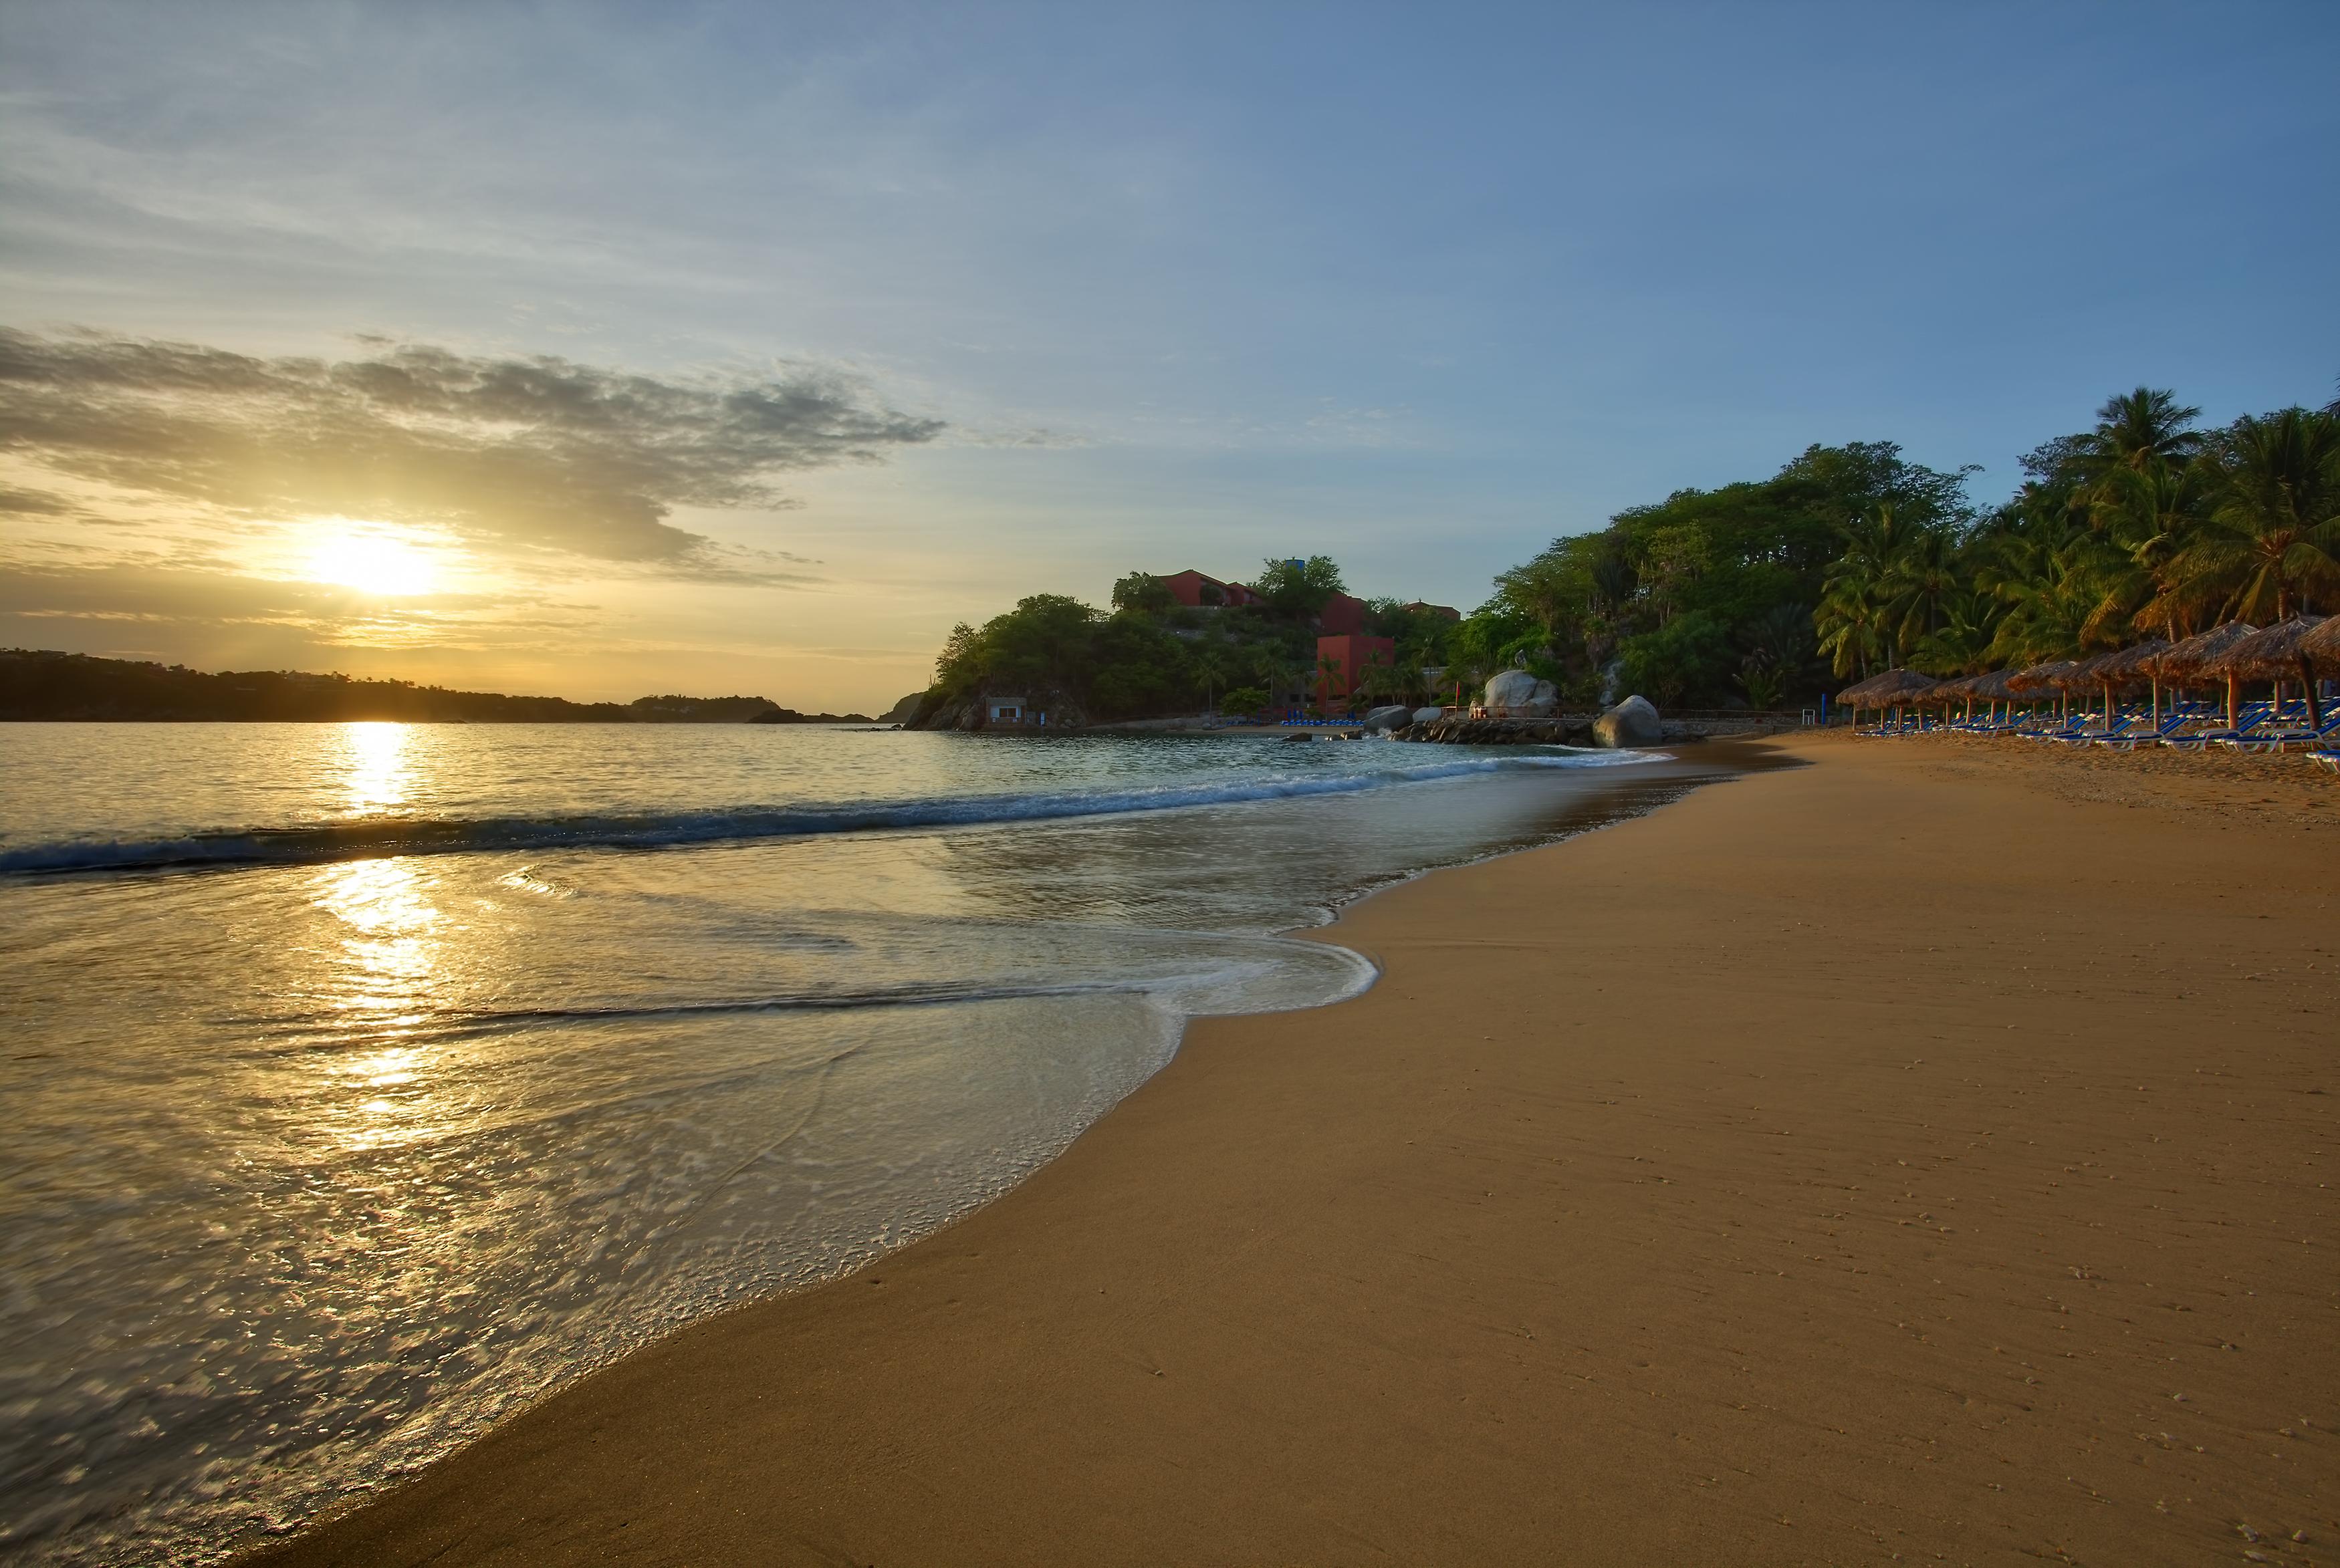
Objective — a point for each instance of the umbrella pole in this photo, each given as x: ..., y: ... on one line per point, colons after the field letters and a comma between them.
x: 2232, y: 682
x: 2315, y: 708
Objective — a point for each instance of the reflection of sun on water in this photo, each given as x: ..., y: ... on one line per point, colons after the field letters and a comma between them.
x: 389, y: 964
x: 378, y: 766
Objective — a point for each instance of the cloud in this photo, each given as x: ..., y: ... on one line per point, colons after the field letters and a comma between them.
x: 33, y: 503
x: 514, y: 455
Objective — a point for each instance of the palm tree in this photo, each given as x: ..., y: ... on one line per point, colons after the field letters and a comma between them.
x: 2048, y: 599
x: 2271, y: 544
x: 1327, y: 670
x: 2151, y: 517
x: 1926, y: 574
x: 1211, y: 665
x: 1960, y: 644
x: 2140, y: 432
x: 1858, y: 614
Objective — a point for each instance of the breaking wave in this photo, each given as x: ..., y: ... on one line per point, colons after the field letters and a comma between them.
x: 375, y: 837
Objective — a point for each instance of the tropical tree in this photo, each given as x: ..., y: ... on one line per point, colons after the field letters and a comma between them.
x: 1209, y: 663
x: 1142, y: 592
x: 2271, y: 544
x: 1863, y: 603
x: 1245, y: 699
x: 2145, y: 432
x: 1299, y: 590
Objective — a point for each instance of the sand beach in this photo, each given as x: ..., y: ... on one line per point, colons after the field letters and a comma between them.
x: 1923, y: 1154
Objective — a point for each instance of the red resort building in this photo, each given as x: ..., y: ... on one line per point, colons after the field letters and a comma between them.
x: 1341, y: 662
x: 1197, y: 592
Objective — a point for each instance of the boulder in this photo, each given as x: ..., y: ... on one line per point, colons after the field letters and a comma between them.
x: 1631, y: 723
x: 1388, y: 719
x: 1517, y: 692
x: 1428, y: 715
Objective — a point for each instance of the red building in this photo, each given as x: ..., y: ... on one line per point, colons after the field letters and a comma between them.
x: 1197, y: 592
x: 1343, y: 617
x: 1341, y: 662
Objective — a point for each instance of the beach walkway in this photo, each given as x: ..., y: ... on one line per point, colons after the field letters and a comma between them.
x: 1915, y: 1156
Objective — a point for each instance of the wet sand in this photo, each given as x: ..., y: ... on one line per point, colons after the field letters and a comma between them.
x: 1919, y: 1156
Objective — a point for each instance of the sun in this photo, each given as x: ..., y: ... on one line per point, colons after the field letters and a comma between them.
x: 377, y: 563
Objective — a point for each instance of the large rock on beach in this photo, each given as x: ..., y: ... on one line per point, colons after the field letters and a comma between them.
x: 1424, y: 715
x: 1517, y: 692
x: 1388, y: 719
x: 1631, y: 723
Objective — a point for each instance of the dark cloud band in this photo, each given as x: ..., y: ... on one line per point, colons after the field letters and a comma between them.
x: 514, y: 455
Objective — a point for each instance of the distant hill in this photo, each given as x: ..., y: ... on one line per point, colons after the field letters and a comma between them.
x: 40, y: 684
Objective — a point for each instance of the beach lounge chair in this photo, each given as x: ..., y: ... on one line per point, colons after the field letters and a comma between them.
x: 2328, y: 759
x: 2247, y: 721
x: 2278, y: 734
x: 2144, y: 733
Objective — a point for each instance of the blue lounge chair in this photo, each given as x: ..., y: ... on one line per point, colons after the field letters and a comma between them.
x: 2281, y: 735
x: 2146, y: 732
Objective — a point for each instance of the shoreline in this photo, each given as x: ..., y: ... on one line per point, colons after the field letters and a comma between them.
x: 1499, y: 1260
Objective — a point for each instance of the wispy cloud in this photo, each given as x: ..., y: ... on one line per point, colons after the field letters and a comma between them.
x: 513, y: 455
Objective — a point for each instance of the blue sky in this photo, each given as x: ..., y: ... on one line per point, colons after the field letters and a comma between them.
x: 1417, y: 287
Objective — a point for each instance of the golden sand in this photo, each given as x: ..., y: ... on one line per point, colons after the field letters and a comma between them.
x: 1919, y: 1156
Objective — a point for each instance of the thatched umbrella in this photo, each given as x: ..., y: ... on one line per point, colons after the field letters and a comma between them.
x: 2273, y: 654
x: 2188, y: 663
x: 2319, y: 645
x: 2142, y: 661
x: 2082, y: 677
x: 1946, y: 691
x: 2048, y: 677
x: 1891, y: 689
x: 1993, y: 688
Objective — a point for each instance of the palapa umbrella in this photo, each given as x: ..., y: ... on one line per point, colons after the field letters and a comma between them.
x: 1891, y: 689
x: 1965, y: 689
x: 2320, y: 646
x: 2081, y: 678
x: 2130, y: 664
x: 2188, y: 662
x: 2273, y: 654
x: 2038, y: 678
x: 1992, y: 688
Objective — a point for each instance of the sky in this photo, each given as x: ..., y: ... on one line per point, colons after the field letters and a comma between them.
x: 601, y: 350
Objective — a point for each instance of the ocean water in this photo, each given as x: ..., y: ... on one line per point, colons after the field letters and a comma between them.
x: 363, y: 1082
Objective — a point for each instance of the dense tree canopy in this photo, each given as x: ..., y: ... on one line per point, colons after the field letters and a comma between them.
x: 1849, y: 560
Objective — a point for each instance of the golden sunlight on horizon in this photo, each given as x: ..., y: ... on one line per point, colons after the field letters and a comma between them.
x: 373, y: 561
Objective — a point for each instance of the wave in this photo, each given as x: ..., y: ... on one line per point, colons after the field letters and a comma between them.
x: 374, y: 838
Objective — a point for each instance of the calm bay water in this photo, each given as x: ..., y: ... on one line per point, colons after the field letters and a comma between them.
x: 366, y: 1082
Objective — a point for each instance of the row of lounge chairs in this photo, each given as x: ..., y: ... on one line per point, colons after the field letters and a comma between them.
x: 2194, y: 726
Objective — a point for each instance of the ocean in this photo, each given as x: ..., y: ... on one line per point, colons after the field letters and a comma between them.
x: 364, y: 1082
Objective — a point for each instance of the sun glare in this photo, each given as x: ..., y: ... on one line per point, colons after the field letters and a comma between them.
x: 376, y: 563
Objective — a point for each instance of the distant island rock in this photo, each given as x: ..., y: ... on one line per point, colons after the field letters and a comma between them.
x: 790, y: 717
x: 40, y: 684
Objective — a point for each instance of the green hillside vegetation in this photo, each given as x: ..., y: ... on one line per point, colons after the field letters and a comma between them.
x: 1766, y: 592
x: 40, y: 684
x: 1148, y: 655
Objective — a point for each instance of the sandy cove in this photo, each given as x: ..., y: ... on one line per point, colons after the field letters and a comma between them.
x: 1920, y: 1156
